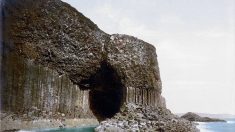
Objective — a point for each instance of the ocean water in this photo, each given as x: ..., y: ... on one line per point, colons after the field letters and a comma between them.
x: 228, y: 126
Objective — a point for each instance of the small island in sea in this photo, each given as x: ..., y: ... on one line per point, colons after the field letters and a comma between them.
x: 194, y: 117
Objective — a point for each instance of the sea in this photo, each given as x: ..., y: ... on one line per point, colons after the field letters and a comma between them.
x: 228, y: 126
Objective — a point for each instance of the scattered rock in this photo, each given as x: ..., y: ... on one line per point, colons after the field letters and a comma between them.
x: 132, y: 118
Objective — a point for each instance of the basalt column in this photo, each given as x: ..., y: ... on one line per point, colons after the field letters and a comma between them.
x: 136, y: 63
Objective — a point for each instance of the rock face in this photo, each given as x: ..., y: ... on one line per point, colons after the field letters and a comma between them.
x: 194, y: 117
x: 51, y: 52
x: 56, y: 62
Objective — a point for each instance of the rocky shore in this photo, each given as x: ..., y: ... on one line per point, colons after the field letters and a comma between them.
x: 145, y: 118
x: 12, y: 122
x: 130, y: 118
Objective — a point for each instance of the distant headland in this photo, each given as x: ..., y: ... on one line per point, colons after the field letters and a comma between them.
x: 195, y: 117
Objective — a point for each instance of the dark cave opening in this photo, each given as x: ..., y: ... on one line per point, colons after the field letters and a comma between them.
x: 106, y: 92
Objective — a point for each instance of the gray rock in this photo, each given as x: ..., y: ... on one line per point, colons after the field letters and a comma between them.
x: 164, y: 121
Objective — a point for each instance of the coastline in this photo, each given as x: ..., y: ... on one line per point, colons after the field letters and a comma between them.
x: 201, y: 127
x: 228, y: 126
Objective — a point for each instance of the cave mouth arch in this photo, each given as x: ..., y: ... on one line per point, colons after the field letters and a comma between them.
x: 106, y: 94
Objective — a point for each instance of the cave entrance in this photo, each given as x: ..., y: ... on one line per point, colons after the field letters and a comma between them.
x: 106, y: 93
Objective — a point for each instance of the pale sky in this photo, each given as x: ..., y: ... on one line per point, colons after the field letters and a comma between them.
x: 194, y: 40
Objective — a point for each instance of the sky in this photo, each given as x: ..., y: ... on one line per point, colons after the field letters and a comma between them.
x: 194, y: 41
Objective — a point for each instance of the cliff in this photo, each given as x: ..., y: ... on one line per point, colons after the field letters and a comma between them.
x: 52, y: 53
x: 56, y: 62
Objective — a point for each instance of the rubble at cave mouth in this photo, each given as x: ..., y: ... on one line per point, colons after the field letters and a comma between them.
x: 106, y: 94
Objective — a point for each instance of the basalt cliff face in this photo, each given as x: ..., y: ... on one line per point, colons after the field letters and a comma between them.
x: 55, y: 60
x: 52, y: 56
